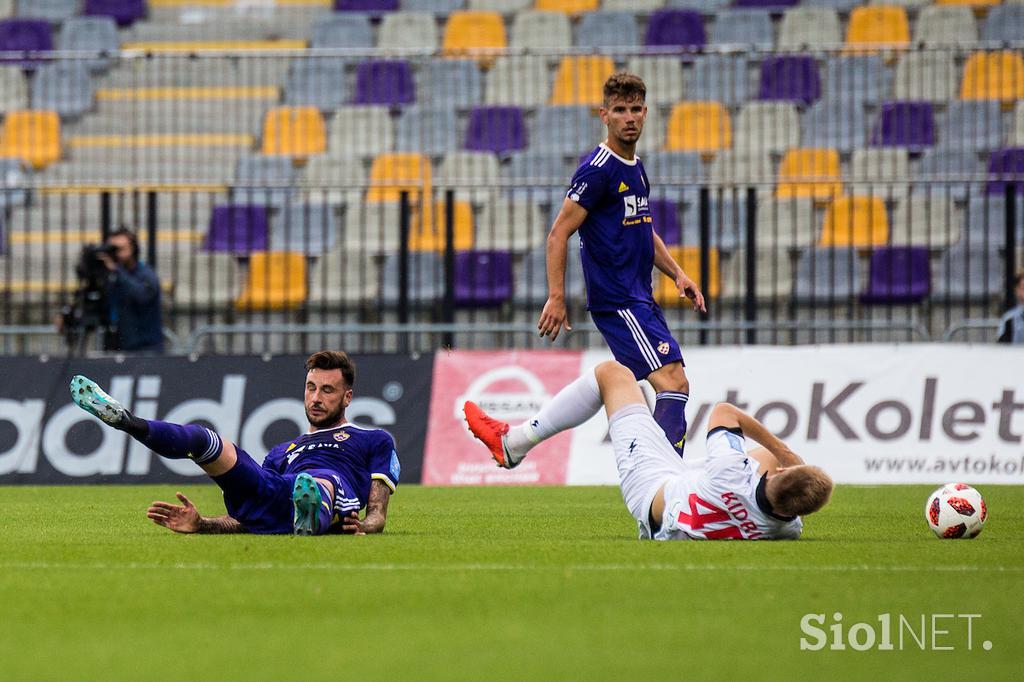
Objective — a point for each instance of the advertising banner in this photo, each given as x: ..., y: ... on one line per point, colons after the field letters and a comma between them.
x: 45, y: 438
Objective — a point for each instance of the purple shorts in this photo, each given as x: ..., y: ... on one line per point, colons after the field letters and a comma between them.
x: 638, y: 338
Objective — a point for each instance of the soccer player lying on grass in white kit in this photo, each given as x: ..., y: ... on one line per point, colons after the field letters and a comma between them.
x: 734, y: 494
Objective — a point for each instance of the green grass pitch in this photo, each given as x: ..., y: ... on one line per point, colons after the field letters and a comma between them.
x: 499, y: 583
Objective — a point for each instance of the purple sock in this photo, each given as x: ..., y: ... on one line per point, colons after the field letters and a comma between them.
x: 326, y: 512
x: 177, y: 441
x: 670, y: 413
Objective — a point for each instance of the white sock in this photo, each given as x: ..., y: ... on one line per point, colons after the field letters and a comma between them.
x: 573, y: 405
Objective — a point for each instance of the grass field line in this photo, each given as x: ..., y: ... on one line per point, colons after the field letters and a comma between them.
x: 499, y: 567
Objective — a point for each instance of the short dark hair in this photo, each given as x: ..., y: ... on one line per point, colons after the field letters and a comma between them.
x: 334, y: 359
x: 133, y: 239
x: 626, y: 85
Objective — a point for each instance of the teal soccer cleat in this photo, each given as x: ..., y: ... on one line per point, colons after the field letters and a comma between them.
x: 306, y: 499
x: 94, y: 400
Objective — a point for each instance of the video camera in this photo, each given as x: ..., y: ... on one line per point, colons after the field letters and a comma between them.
x: 88, y: 309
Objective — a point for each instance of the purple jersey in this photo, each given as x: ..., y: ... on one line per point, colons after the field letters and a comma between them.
x: 617, y: 236
x: 358, y: 454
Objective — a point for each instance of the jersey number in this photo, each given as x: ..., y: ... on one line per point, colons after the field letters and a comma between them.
x: 696, y: 520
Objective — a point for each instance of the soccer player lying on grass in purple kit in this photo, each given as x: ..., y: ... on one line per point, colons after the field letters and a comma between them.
x: 313, y: 484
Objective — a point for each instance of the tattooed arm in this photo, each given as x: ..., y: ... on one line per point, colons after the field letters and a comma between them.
x: 376, y: 512
x: 185, y: 518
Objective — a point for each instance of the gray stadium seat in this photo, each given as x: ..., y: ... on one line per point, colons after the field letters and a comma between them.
x: 426, y: 278
x: 360, y: 131
x: 342, y: 29
x: 530, y: 280
x: 962, y: 274
x: 451, y: 81
x: 742, y: 27
x: 674, y: 174
x: 721, y: 78
x: 1017, y: 137
x: 842, y: 6
x: 663, y: 77
x: 473, y: 175
x: 603, y: 30
x: 343, y: 277
x: 879, y: 171
x: 947, y: 171
x: 305, y: 228
x: 809, y: 27
x: 320, y: 83
x: 408, y: 30
x: 768, y: 126
x: 331, y: 180
x: 1003, y: 24
x: 531, y: 30
x: 521, y: 81
x: 945, y: 26
x: 742, y: 167
x: 986, y: 222
x: 926, y: 220
x: 773, y: 272
x: 507, y: 6
x: 432, y: 131
x: 12, y: 184
x: 510, y: 224
x: 971, y: 125
x: 371, y: 228
x: 439, y: 7
x: 826, y: 275
x: 633, y: 5
x: 64, y: 87
x: 90, y: 34
x: 861, y: 78
x: 909, y: 4
x: 263, y: 180
x: 928, y: 75
x: 538, y: 175
x: 571, y: 130
x: 709, y: 7
x: 54, y: 11
x: 13, y: 89
x: 840, y: 124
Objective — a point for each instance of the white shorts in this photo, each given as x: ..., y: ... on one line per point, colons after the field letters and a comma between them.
x: 644, y: 457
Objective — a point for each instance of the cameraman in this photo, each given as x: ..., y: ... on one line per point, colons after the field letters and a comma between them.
x: 132, y: 295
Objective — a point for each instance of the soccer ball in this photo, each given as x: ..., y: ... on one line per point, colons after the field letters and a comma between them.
x: 956, y: 510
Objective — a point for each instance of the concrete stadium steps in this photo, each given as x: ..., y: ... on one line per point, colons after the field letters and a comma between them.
x: 167, y: 116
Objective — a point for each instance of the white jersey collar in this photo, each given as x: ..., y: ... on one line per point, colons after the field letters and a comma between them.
x: 628, y: 162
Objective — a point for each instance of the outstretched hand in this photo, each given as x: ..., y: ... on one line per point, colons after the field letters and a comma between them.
x: 183, y: 518
x: 553, y: 318
x: 352, y: 525
x: 688, y: 288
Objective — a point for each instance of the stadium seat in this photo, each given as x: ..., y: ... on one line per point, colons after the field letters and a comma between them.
x: 431, y: 234
x: 841, y: 6
x: 607, y: 29
x: 319, y: 83
x: 13, y: 185
x: 898, y: 274
x: 909, y: 5
x: 970, y: 3
x: 945, y: 26
x: 405, y: 30
x: 675, y: 28
x: 877, y: 26
x: 387, y: 82
x: 856, y: 78
x: 632, y: 5
x: 773, y: 274
x: 331, y: 180
x: 473, y: 175
x: 719, y: 77
x: 13, y: 89
x: 372, y: 228
x: 538, y: 172
x: 452, y: 82
x: 931, y: 220
x: 341, y: 277
x: 727, y: 220
x: 203, y: 279
x: 566, y: 129
x: 804, y: 27
x: 64, y: 87
x: 536, y: 30
x: 370, y: 6
x: 708, y: 7
x: 294, y: 131
x: 810, y: 172
x: 54, y: 11
x: 786, y: 223
x: 947, y: 171
x: 510, y: 224
x: 881, y: 172
x: 24, y: 35
x: 437, y: 7
x: 768, y: 126
x: 32, y: 136
x: 1003, y: 23
x: 674, y: 173
x: 311, y: 229
x: 688, y: 257
x: 520, y: 81
x: 749, y: 27
x: 124, y: 12
x: 663, y: 77
x: 567, y: 6
x: 432, y: 131
x: 237, y: 228
x: 994, y: 75
x: 263, y: 180
x: 482, y: 278
x: 90, y: 34
x: 742, y: 167
x: 495, y: 129
x: 275, y: 280
x: 855, y: 221
x: 425, y: 279
x: 904, y: 124
x: 392, y: 174
x: 580, y: 80
x: 928, y: 75
x: 468, y: 32
x: 665, y: 214
x: 975, y: 125
x: 1006, y: 167
x: 967, y: 274
x: 790, y: 78
x: 1017, y: 137
x: 360, y: 131
x: 778, y: 5
x: 342, y: 30
x: 834, y: 123
x: 985, y: 227
x: 530, y: 278
x: 699, y: 127
x: 499, y: 5
x: 826, y: 275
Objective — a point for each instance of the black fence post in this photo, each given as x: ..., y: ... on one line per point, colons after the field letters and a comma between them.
x: 704, y: 206
x: 448, y: 313
x: 403, y: 266
x: 750, y: 296
x: 151, y: 214
x: 1010, y: 299
x: 105, y: 215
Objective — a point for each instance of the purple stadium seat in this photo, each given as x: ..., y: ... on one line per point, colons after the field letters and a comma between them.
x: 675, y: 28
x: 365, y: 5
x: 766, y: 4
x: 482, y: 278
x: 496, y: 129
x: 793, y: 78
x: 666, y: 220
x: 124, y: 12
x: 1006, y: 166
x: 384, y: 82
x: 898, y: 274
x: 904, y: 124
x: 25, y: 35
x: 237, y: 228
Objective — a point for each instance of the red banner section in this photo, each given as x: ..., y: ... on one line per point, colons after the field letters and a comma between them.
x: 510, y: 386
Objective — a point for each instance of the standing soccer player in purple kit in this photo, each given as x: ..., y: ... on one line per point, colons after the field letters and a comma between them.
x: 608, y: 204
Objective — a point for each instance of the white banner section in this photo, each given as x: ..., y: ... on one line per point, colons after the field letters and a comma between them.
x: 925, y: 413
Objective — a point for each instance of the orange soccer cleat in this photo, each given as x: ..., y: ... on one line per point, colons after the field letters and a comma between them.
x: 491, y: 433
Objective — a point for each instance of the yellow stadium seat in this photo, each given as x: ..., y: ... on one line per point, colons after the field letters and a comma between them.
x: 294, y: 131
x: 994, y: 75
x: 276, y: 280
x: 468, y: 31
x: 392, y: 174
x: 580, y: 80
x: 688, y: 257
x: 810, y: 173
x: 32, y: 136
x: 878, y: 26
x: 567, y: 6
x: 970, y: 3
x: 857, y: 221
x: 699, y: 127
x: 429, y: 235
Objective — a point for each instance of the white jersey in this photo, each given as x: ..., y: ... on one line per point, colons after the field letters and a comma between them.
x: 722, y: 499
